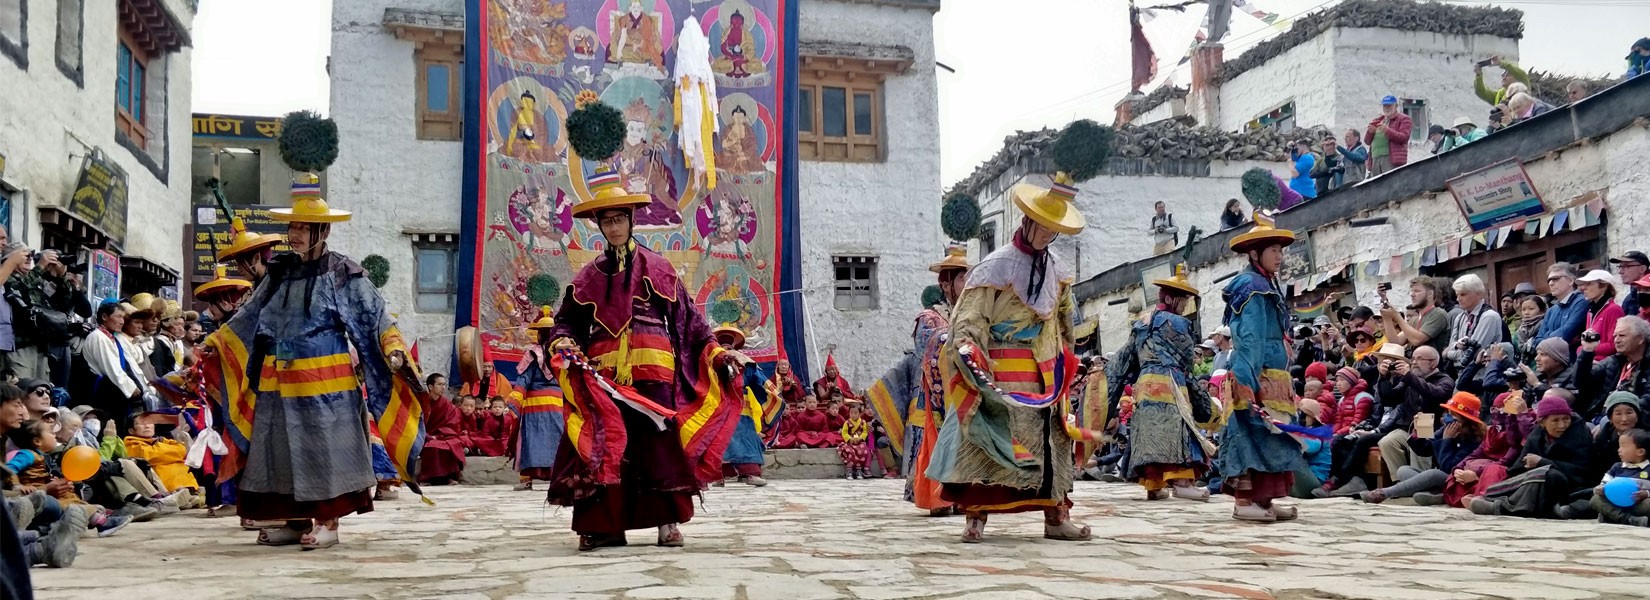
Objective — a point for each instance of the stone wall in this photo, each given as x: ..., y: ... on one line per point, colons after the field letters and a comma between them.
x: 888, y: 209
x: 394, y: 181
x: 48, y: 122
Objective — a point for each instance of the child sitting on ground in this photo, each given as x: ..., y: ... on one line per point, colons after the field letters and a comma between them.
x: 29, y: 468
x: 1634, y: 465
x: 855, y: 455
x: 489, y: 432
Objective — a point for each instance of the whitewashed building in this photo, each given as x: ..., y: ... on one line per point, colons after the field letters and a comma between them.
x: 869, y: 195
x: 106, y: 83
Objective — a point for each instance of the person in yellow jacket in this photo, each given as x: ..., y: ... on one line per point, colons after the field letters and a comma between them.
x: 165, y: 456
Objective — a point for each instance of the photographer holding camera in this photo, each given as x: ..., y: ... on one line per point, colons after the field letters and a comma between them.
x: 1553, y: 370
x: 41, y: 298
x: 1477, y: 327
x: 1625, y: 371
x: 1431, y: 324
x: 1330, y: 171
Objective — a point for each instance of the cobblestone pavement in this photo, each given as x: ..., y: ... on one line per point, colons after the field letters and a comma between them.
x: 813, y: 540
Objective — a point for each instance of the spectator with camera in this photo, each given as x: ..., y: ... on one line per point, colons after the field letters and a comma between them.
x: 1165, y: 236
x: 1430, y: 326
x: 1567, y: 316
x: 1388, y: 138
x: 1330, y: 171
x: 1394, y: 411
x: 40, y: 296
x: 1554, y: 368
x: 1419, y: 388
x: 1599, y: 288
x: 1631, y: 267
x: 1355, y: 157
x: 1477, y: 327
x: 1300, y: 172
x: 1466, y: 131
x: 1510, y: 74
x: 1624, y: 371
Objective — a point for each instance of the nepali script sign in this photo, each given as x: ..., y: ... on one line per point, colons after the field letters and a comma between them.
x: 1496, y: 195
x: 213, y: 233
x: 236, y: 127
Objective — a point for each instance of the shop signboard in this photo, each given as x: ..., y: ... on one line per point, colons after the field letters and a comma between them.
x: 1496, y: 195
x: 1297, y: 259
x: 100, y: 197
x: 103, y: 278
x: 210, y: 223
x: 236, y: 127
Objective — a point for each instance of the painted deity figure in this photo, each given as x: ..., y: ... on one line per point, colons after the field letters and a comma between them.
x: 737, y: 56
x: 740, y: 151
x: 636, y: 38
x: 643, y: 168
x: 523, y: 139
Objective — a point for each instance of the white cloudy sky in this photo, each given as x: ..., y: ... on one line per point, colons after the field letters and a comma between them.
x: 1041, y: 63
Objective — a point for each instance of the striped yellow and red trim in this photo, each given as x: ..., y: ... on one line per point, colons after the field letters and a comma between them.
x: 882, y: 403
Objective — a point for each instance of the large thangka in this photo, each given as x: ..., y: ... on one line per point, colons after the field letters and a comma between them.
x: 543, y: 59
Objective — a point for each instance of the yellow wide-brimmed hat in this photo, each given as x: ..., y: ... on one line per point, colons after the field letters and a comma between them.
x: 1051, y: 207
x: 220, y: 284
x: 606, y: 193
x: 729, y: 331
x: 141, y: 303
x: 545, y: 321
x: 1264, y: 233
x: 243, y: 241
x: 956, y: 257
x: 307, y: 204
x: 1178, y: 282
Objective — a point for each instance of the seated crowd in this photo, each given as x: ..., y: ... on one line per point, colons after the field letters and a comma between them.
x: 1449, y: 402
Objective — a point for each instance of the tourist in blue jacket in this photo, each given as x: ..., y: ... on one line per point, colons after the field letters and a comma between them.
x: 1568, y: 314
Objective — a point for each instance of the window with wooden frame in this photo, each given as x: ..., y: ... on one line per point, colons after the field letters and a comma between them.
x: 840, y: 111
x: 437, y: 281
x: 440, y: 97
x: 856, y: 282
x: 131, y: 70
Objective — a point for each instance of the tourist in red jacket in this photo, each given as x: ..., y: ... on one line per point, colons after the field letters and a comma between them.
x: 1388, y: 138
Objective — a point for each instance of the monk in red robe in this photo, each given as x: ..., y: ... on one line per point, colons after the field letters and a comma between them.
x: 491, y: 436
x: 809, y: 428
x: 833, y: 380
x: 444, y: 444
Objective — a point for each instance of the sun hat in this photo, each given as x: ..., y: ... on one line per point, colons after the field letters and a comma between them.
x: 1391, y: 350
x: 1051, y: 207
x: 1178, y: 282
x: 607, y: 193
x: 1465, y: 405
x: 307, y: 204
x: 956, y: 257
x: 1264, y: 233
x: 1459, y: 121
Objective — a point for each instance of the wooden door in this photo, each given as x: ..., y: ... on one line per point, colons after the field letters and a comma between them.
x: 1509, y: 273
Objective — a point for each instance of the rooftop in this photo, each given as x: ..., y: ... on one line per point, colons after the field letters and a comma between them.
x: 1603, y: 113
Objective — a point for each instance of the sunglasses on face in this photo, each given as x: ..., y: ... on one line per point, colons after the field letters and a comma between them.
x: 41, y: 391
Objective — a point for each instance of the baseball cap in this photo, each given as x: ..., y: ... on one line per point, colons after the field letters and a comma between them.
x: 1389, y: 100
x: 1632, y: 256
x: 1599, y: 275
x: 30, y: 384
x: 1224, y: 331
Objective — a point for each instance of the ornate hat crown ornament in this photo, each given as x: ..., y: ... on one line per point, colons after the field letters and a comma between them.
x: 730, y: 331
x: 1052, y: 207
x: 242, y: 241
x: 1264, y: 233
x: 1178, y: 282
x: 308, y: 144
x: 956, y: 257
x: 221, y: 283
x: 606, y: 193
x: 545, y: 321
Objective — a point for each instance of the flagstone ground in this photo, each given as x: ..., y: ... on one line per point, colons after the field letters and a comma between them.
x: 822, y: 539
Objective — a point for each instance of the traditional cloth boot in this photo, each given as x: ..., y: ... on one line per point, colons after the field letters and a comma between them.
x: 670, y: 536
x: 1057, y: 525
x: 1254, y: 513
x: 974, y: 529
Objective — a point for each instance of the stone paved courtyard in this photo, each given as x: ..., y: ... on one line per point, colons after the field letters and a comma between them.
x: 820, y: 539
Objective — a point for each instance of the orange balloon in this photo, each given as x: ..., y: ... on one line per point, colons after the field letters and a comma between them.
x: 80, y: 463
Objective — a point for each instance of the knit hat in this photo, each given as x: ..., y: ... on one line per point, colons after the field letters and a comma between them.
x: 1318, y: 371
x: 1617, y: 398
x: 1350, y: 374
x: 1556, y: 349
x: 1311, y: 407
x: 1551, y: 406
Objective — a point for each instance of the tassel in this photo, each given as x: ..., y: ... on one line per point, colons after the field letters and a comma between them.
x: 707, y: 129
x: 624, y: 370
